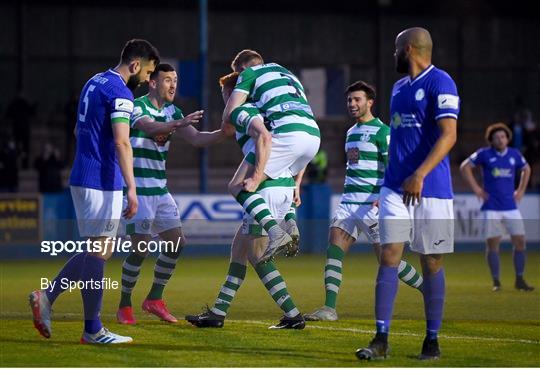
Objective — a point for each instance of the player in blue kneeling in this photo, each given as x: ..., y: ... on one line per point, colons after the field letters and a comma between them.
x: 500, y: 165
x: 415, y: 202
x: 103, y: 158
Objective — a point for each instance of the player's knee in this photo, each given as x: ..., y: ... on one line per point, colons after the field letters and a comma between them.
x: 390, y: 256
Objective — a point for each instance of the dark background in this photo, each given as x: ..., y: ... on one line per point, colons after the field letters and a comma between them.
x: 48, y: 49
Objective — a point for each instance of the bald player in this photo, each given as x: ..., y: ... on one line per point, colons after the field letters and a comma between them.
x: 416, y: 197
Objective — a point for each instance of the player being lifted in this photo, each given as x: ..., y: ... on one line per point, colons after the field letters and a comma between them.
x: 154, y: 120
x: 500, y: 164
x: 366, y: 146
x: 103, y: 157
x: 280, y: 98
x: 415, y: 202
x: 250, y: 240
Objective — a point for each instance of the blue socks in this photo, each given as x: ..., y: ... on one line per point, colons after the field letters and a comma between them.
x: 519, y: 262
x: 385, y: 294
x: 93, y: 269
x: 434, y: 293
x: 71, y: 270
x: 493, y: 262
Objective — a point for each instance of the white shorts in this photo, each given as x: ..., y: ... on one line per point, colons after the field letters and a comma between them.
x: 496, y: 222
x: 98, y: 212
x: 279, y: 200
x: 355, y: 218
x: 155, y: 214
x: 291, y: 152
x: 428, y: 226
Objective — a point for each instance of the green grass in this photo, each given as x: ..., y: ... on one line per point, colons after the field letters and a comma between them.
x: 481, y: 328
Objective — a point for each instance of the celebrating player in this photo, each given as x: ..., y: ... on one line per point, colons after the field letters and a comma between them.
x: 103, y: 157
x: 500, y: 164
x: 154, y: 120
x: 280, y: 97
x: 366, y: 146
x: 416, y: 197
x: 251, y: 240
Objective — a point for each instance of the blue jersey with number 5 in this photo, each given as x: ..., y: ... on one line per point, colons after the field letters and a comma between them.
x: 105, y: 100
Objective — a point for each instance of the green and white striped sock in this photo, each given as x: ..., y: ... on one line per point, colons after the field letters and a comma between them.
x: 332, y: 274
x: 130, y: 273
x: 291, y: 214
x: 274, y: 283
x: 235, y: 277
x: 254, y: 205
x: 163, y: 270
x: 408, y: 275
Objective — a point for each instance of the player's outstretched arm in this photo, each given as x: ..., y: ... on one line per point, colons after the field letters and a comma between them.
x: 125, y: 160
x: 263, y: 147
x: 466, y: 169
x: 523, y: 182
x: 298, y: 182
x: 412, y: 186
x: 152, y: 129
x: 200, y: 138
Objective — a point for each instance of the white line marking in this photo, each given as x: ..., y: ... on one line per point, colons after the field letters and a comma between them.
x: 5, y: 315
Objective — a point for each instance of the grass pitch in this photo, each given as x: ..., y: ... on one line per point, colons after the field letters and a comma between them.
x: 481, y: 328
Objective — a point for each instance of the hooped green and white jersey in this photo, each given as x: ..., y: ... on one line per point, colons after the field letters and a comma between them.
x: 367, y: 156
x: 150, y: 153
x: 241, y: 118
x: 280, y: 97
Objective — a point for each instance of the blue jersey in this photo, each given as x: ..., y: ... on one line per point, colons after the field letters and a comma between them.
x: 499, y: 171
x: 415, y: 107
x: 105, y: 100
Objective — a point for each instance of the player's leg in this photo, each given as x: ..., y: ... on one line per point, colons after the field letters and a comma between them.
x: 434, y: 295
x: 492, y: 259
x: 433, y: 237
x: 407, y: 273
x: 168, y: 226
x: 291, y: 227
x: 255, y: 205
x: 275, y: 285
x: 339, y: 241
x: 130, y: 274
x: 514, y: 224
x: 395, y: 226
x: 215, y: 316
x: 493, y: 233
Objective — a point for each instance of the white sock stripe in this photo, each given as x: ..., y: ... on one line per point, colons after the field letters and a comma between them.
x: 409, y: 275
x: 163, y: 270
x: 333, y: 273
x: 163, y: 282
x: 228, y: 291
x: 167, y: 259
x: 282, y: 299
x: 257, y: 209
x: 335, y: 262
x: 293, y: 312
x: 129, y: 278
x: 418, y: 282
x: 332, y: 287
x: 126, y: 289
x: 234, y: 280
x: 250, y: 199
x: 131, y: 267
x: 270, y: 276
x: 278, y: 287
x: 402, y: 265
x: 218, y: 312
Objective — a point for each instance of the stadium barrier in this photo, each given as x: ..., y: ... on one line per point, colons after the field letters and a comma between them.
x: 211, y: 220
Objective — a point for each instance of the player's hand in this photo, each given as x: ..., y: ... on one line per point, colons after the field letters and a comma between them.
x: 250, y: 184
x: 412, y: 189
x: 296, y: 197
x: 518, y: 195
x: 481, y: 194
x: 132, y: 204
x: 190, y: 119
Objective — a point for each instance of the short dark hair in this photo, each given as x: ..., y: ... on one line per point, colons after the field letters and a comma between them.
x: 162, y: 67
x: 495, y: 127
x: 138, y: 48
x: 246, y: 57
x: 362, y: 86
